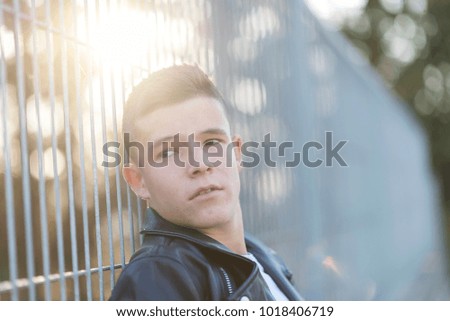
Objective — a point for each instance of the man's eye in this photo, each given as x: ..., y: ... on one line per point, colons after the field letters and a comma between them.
x: 211, y: 142
x: 167, y: 153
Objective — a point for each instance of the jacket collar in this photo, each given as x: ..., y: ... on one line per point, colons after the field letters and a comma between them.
x: 261, y: 252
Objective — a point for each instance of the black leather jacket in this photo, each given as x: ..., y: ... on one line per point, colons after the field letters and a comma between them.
x: 178, y: 263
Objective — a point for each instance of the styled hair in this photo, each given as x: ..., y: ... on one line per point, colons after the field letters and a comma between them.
x: 163, y: 88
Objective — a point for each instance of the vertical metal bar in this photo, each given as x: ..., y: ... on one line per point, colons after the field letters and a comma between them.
x: 106, y: 175
x: 24, y: 152
x: 77, y: 66
x: 56, y: 182
x: 158, y: 22
x: 117, y: 168
x: 208, y: 44
x: 129, y: 207
x: 190, y: 7
x: 147, y: 17
x: 73, y: 236
x: 137, y: 199
x: 130, y: 220
x: 98, y: 236
x: 153, y: 5
x: 168, y: 8
x: 42, y: 189
x: 9, y: 190
x: 107, y: 186
x: 117, y: 174
x: 139, y: 210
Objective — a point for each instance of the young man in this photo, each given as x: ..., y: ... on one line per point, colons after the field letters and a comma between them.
x: 194, y: 243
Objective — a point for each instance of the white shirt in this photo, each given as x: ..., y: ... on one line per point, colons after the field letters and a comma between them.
x: 274, y: 289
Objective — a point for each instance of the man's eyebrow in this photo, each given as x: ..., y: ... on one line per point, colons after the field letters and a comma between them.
x: 164, y: 139
x: 214, y: 131
x: 209, y: 131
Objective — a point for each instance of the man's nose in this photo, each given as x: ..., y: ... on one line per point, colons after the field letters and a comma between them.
x: 196, y: 162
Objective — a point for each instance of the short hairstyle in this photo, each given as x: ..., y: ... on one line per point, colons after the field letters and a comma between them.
x: 162, y: 88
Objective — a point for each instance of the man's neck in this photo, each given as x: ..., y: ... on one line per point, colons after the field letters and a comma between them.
x: 230, y: 234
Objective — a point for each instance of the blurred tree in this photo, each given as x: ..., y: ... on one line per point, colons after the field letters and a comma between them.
x: 408, y: 42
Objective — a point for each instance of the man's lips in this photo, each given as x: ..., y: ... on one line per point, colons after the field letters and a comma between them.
x: 204, y: 190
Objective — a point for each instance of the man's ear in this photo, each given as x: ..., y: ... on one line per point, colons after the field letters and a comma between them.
x: 237, y: 143
x: 133, y: 176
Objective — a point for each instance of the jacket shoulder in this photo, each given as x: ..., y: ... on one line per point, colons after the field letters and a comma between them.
x: 161, y: 270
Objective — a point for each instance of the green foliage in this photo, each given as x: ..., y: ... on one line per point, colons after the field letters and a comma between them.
x: 408, y: 42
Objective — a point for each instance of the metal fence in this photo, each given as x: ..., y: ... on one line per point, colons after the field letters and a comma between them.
x: 370, y: 230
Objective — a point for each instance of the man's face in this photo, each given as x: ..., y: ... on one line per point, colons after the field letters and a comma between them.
x: 197, y: 194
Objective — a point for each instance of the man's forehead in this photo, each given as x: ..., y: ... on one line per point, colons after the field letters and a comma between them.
x: 198, y: 116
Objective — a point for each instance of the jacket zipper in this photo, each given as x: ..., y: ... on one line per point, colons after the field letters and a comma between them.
x: 227, y: 281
